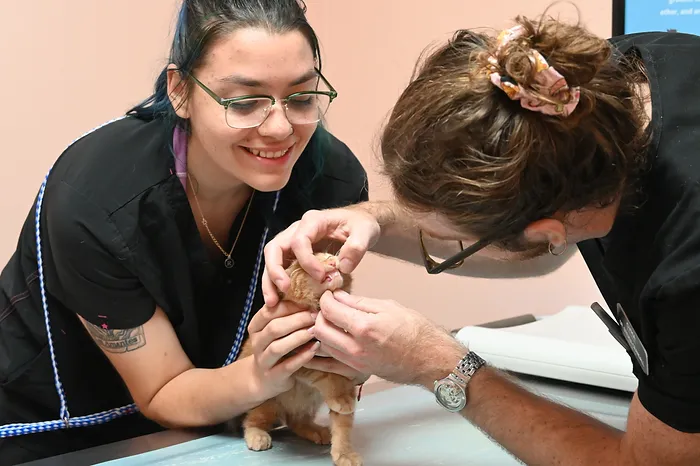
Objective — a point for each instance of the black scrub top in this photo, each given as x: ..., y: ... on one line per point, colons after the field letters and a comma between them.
x: 119, y: 238
x: 650, y: 260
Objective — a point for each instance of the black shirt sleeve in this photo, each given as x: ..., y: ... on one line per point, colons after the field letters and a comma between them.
x: 345, y: 178
x: 87, y: 262
x: 671, y: 392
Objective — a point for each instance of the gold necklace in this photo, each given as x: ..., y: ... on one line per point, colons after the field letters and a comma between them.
x: 228, y: 262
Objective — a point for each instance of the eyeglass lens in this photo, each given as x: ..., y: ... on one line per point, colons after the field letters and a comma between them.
x: 300, y: 109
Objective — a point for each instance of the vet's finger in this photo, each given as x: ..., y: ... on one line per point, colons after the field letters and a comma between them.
x: 342, y: 315
x: 367, y: 305
x: 333, y: 366
x: 349, y: 361
x: 332, y: 336
x: 302, y: 248
x: 313, y: 227
x: 353, y: 250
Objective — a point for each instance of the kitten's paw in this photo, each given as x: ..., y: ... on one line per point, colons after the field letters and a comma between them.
x: 348, y: 459
x: 320, y: 435
x: 343, y: 404
x: 257, y: 439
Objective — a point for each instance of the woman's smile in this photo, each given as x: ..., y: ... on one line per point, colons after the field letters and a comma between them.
x: 271, y: 155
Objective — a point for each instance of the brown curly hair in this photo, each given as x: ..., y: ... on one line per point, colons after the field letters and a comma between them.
x: 456, y: 145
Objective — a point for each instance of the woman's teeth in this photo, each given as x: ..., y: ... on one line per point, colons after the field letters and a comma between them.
x: 268, y: 155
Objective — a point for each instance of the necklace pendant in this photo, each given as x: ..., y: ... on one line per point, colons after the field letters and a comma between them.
x: 229, y: 262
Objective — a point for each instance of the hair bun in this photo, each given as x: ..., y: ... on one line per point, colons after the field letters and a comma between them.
x: 572, y: 50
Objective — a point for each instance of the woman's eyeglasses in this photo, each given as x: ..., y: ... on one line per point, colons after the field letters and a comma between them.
x: 249, y: 111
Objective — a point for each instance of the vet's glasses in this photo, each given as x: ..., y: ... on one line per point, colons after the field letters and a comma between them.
x: 457, y: 260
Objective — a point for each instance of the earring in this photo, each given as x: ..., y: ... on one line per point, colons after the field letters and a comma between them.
x: 557, y: 253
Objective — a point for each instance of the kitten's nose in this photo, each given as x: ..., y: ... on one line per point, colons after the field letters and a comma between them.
x: 333, y: 262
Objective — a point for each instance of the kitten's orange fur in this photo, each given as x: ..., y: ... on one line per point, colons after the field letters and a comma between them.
x: 298, y: 407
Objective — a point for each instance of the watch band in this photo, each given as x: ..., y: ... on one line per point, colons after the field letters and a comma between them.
x: 468, y: 365
x: 451, y: 391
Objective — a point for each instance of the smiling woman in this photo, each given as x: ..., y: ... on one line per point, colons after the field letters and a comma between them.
x: 248, y: 62
x: 138, y: 271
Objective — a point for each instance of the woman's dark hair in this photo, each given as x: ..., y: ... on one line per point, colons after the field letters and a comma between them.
x: 455, y: 144
x: 201, y: 23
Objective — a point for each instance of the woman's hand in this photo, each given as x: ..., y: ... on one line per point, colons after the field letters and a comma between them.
x: 355, y: 227
x: 384, y: 338
x: 275, y: 332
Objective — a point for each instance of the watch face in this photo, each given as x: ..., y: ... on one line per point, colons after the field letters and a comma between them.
x: 450, y: 395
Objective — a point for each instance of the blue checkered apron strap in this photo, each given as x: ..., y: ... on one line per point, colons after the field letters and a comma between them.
x: 65, y: 421
x: 240, y: 334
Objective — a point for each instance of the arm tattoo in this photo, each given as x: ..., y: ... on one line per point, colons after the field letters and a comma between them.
x: 118, y: 341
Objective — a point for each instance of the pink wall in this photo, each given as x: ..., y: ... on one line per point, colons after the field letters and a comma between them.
x: 69, y: 66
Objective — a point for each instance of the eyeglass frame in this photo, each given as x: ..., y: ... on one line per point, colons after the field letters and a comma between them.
x: 226, y: 103
x: 457, y: 260
x: 453, y: 262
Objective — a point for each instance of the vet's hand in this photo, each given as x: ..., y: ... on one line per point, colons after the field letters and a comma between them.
x: 383, y: 338
x: 357, y: 229
x: 276, y: 332
x: 334, y: 366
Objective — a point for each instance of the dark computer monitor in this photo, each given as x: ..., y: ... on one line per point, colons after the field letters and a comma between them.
x: 630, y: 16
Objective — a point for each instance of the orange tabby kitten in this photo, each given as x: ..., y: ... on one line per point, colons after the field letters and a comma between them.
x: 298, y: 407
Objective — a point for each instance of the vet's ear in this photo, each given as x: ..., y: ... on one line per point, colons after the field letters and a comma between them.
x: 546, y: 230
x: 177, y: 91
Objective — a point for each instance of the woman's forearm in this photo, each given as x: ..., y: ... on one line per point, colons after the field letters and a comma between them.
x: 205, y: 397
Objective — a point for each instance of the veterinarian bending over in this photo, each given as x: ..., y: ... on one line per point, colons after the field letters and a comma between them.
x: 518, y: 146
x: 151, y: 232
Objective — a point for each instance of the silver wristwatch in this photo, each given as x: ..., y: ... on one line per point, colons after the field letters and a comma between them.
x: 451, y: 392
